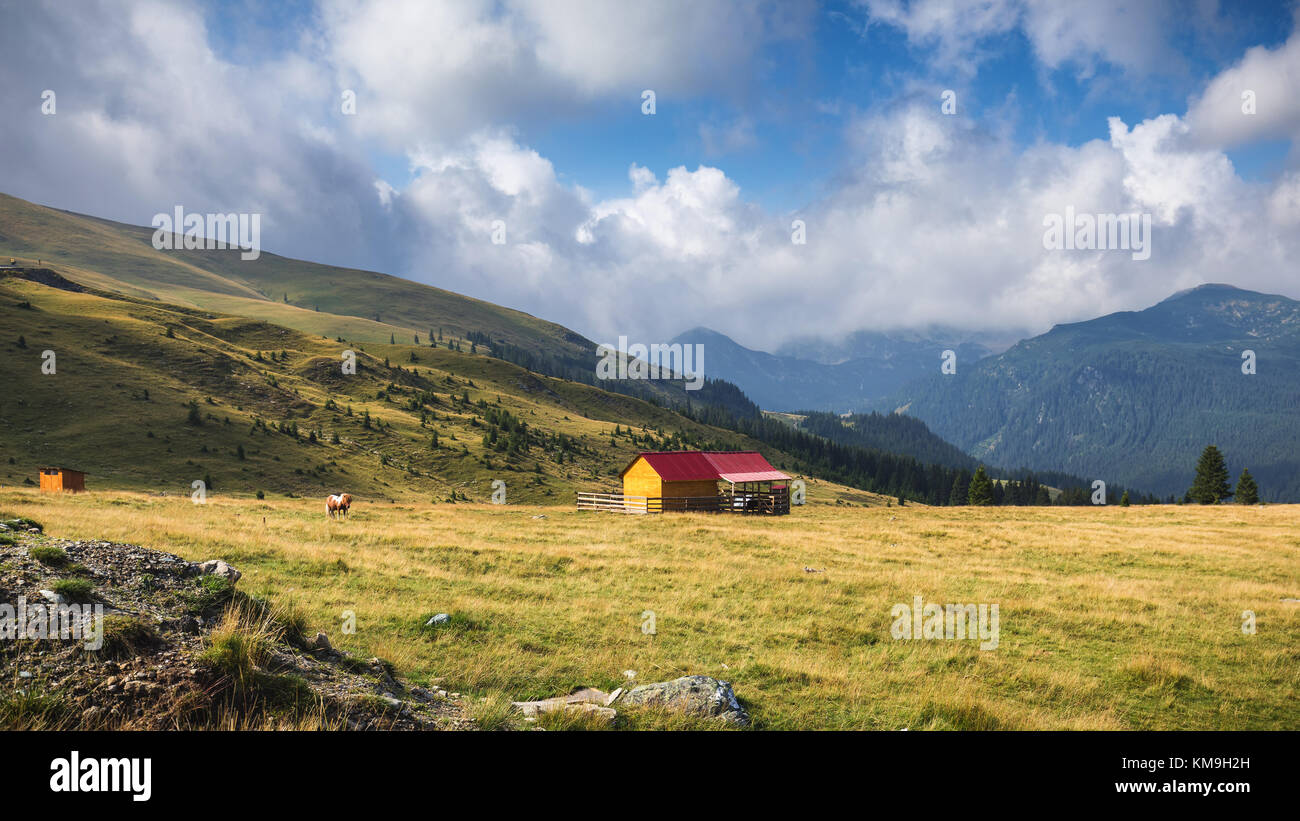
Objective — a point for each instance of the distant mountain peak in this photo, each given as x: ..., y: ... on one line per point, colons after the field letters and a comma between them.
x: 1212, y: 289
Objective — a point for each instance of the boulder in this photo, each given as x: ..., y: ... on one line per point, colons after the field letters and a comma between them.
x: 441, y: 618
x: 697, y: 695
x: 217, y: 567
x: 585, y: 700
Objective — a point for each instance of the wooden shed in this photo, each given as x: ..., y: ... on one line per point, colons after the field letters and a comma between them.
x: 679, y: 475
x: 657, y: 481
x: 59, y: 479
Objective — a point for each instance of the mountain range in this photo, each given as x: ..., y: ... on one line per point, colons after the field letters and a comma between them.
x: 1130, y: 398
x: 1134, y: 396
x: 843, y: 376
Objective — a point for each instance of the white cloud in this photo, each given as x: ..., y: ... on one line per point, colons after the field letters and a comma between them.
x: 442, y: 71
x: 1131, y: 35
x: 931, y: 220
x: 1217, y: 117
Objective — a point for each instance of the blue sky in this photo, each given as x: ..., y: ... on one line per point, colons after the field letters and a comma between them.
x: 793, y: 108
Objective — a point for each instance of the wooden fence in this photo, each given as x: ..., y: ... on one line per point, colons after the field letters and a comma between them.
x: 774, y: 502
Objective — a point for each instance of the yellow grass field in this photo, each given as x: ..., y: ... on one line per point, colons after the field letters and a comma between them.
x: 1110, y: 618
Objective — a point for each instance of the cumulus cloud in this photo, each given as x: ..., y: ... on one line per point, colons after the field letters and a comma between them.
x: 1118, y: 32
x: 931, y: 219
x: 1256, y: 99
x: 443, y: 71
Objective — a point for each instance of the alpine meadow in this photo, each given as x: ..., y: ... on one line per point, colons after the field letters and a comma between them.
x: 371, y: 368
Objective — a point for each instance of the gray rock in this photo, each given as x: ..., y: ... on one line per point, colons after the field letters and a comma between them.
x: 51, y: 596
x: 697, y: 695
x: 441, y: 618
x: 320, y: 643
x: 217, y: 567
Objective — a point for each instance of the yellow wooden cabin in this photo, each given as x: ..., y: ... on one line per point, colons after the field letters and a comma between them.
x: 54, y: 480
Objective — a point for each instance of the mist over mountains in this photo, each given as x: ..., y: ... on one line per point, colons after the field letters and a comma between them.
x: 1130, y: 397
x: 839, y: 376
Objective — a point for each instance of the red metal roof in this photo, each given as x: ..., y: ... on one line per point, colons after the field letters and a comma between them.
x: 679, y: 466
x: 693, y: 465
x: 746, y: 466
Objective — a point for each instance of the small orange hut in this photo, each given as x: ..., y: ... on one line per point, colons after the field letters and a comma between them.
x: 54, y: 480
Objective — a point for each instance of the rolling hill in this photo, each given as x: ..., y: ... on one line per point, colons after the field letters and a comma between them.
x: 171, y: 367
x: 1133, y: 397
x: 342, y: 303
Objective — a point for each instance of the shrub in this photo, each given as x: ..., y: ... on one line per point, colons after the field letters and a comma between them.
x: 124, y: 636
x: 493, y: 714
x: 75, y: 590
x: 240, y: 643
x: 22, y: 522
x: 48, y: 555
x: 33, y: 709
x: 211, y: 591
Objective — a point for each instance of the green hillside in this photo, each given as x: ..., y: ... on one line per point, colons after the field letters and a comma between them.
x: 1134, y: 397
x: 276, y: 413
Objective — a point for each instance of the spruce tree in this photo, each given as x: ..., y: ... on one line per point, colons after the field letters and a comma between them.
x: 981, y: 488
x: 958, y: 494
x: 1247, y: 490
x: 1211, y: 484
x: 1123, y: 502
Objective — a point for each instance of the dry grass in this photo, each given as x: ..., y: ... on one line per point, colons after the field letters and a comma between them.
x: 1111, y: 618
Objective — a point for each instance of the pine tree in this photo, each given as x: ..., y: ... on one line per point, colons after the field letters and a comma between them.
x: 960, y: 489
x: 981, y: 488
x: 1211, y: 485
x: 1247, y: 490
x: 1123, y: 502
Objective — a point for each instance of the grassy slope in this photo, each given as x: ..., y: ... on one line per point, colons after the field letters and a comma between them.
x: 121, y: 257
x: 93, y: 414
x: 1110, y: 618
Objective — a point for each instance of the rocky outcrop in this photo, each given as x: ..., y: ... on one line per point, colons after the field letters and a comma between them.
x: 697, y: 695
x: 154, y: 668
x: 701, y: 696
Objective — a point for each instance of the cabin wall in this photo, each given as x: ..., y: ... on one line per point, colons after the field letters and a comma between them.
x: 62, y: 480
x: 641, y: 480
x: 681, y: 490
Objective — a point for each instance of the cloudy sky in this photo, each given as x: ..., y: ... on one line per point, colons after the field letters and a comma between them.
x: 532, y: 112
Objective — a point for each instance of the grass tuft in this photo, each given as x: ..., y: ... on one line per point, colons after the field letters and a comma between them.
x: 49, y: 555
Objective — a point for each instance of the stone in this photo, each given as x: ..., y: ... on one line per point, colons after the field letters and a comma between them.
x: 532, y: 709
x: 51, y: 596
x: 698, y: 695
x: 321, y: 643
x: 441, y: 618
x: 217, y: 567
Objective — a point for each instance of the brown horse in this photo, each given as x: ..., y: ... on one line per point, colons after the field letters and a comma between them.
x: 338, y: 504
